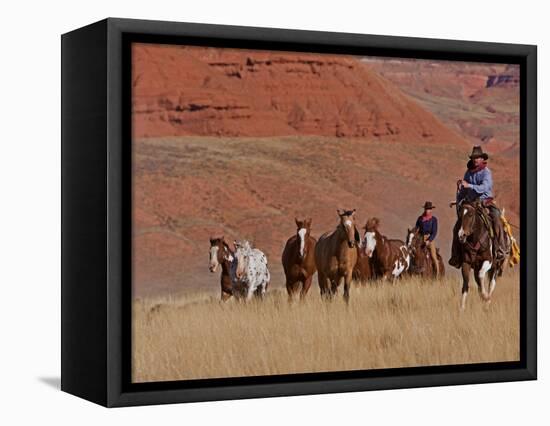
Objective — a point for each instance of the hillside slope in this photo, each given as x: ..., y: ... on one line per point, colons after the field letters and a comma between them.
x: 480, y: 101
x: 188, y: 188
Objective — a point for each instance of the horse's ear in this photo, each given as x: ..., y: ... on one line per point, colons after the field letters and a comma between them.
x: 222, y: 238
x: 338, y: 211
x: 353, y: 212
x: 309, y: 219
x: 296, y: 221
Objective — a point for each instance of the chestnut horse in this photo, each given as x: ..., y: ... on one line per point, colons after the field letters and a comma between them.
x: 477, y: 251
x: 336, y: 255
x: 222, y: 255
x: 299, y: 259
x: 421, y: 259
x: 391, y: 257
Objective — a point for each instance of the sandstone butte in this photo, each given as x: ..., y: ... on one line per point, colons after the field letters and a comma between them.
x: 182, y: 91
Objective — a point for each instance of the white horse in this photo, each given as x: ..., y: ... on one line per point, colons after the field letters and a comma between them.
x: 250, y: 273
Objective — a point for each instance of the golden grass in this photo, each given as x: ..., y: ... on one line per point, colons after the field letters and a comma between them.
x: 412, y: 323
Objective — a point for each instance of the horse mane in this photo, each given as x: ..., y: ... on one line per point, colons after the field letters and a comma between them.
x: 227, y: 246
x: 372, y: 224
x: 244, y: 244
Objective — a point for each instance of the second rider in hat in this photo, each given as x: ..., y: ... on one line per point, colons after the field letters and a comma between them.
x: 427, y: 225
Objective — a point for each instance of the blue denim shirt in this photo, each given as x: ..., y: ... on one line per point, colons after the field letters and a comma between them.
x: 481, y: 185
x: 427, y: 227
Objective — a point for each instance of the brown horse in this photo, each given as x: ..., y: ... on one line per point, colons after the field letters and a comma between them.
x: 222, y: 255
x: 391, y: 257
x: 336, y: 255
x: 477, y: 251
x: 299, y: 259
x: 364, y: 270
x: 421, y: 259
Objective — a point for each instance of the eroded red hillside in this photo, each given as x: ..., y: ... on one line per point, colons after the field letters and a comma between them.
x: 480, y: 101
x: 192, y: 91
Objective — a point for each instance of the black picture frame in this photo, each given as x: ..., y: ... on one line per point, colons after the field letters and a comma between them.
x: 96, y: 230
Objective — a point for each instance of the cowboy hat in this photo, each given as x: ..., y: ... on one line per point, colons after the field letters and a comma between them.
x: 478, y: 152
x: 428, y: 205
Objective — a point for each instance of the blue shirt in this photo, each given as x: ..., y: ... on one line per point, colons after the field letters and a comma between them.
x: 427, y: 227
x: 481, y: 185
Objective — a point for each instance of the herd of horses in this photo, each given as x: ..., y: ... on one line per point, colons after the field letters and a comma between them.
x: 343, y: 255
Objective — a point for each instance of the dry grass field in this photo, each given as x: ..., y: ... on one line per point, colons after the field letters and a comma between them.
x: 412, y: 323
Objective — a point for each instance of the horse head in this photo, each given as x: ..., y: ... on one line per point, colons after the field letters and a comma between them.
x: 414, y: 240
x: 371, y: 235
x: 303, y: 230
x: 468, y: 219
x: 347, y: 221
x: 411, y: 237
x: 242, y: 252
x: 217, y: 249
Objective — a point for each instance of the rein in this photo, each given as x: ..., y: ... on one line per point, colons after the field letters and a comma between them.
x: 484, y: 234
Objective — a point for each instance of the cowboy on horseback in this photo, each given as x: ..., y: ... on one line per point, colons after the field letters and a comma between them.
x: 427, y: 226
x: 477, y: 184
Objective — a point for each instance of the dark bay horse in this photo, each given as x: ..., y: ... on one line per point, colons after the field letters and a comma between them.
x: 364, y: 270
x: 299, y: 259
x: 222, y: 255
x: 336, y: 255
x: 391, y: 257
x: 477, y: 251
x: 421, y: 259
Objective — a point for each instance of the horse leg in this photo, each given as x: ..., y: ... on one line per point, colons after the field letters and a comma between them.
x: 485, y: 266
x: 334, y: 285
x: 478, y: 282
x: 225, y: 296
x: 305, y: 287
x: 492, y: 280
x: 291, y: 287
x: 250, y: 292
x: 263, y: 289
x: 347, y: 284
x: 465, y: 284
x: 323, y: 285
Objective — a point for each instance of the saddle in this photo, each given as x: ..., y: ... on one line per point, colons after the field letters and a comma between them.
x: 499, y: 249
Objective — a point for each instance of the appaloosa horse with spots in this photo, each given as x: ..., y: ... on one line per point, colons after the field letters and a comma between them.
x: 222, y: 255
x: 299, y: 259
x: 477, y: 251
x: 250, y: 272
x: 336, y: 255
x: 391, y: 257
x: 421, y: 259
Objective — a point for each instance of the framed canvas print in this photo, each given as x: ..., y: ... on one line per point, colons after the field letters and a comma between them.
x: 253, y: 212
